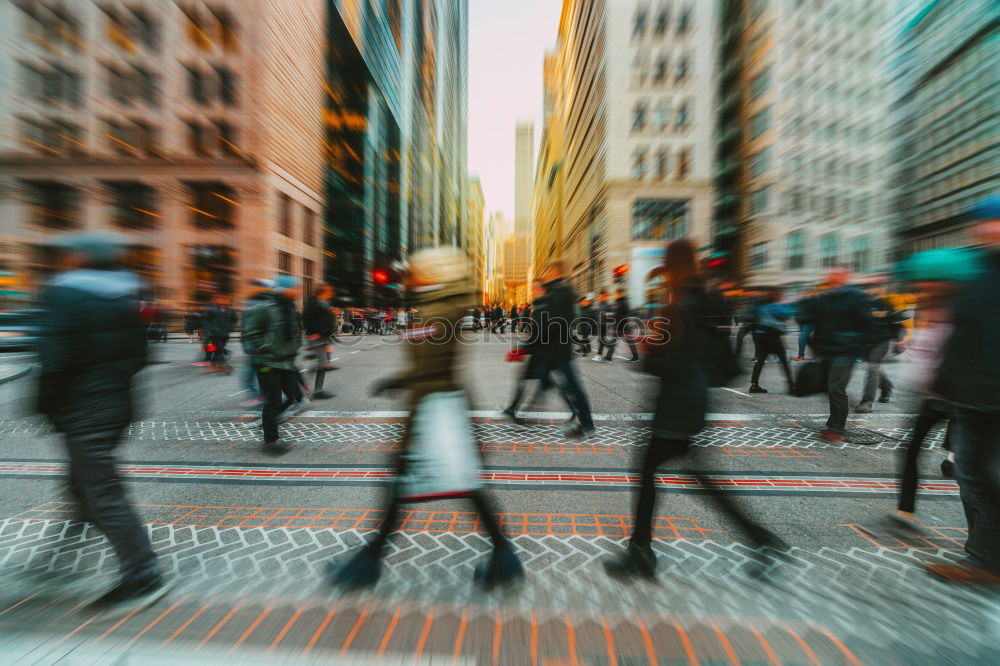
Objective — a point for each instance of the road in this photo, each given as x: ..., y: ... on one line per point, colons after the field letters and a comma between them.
x: 246, y: 535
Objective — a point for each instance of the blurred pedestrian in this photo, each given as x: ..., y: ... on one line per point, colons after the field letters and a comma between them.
x: 219, y: 321
x: 248, y: 372
x: 768, y: 330
x: 841, y: 317
x: 272, y: 336
x: 605, y: 313
x: 969, y: 378
x: 92, y: 343
x: 192, y: 325
x: 439, y: 279
x: 320, y: 326
x: 621, y: 320
x: 747, y: 318
x: 885, y: 330
x: 586, y: 325
x: 677, y: 342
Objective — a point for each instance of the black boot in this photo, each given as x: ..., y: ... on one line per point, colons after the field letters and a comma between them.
x: 634, y: 562
x: 502, y: 568
x: 362, y: 570
x: 886, y: 396
x: 757, y: 388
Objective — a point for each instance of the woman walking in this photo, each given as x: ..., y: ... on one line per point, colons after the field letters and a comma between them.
x: 676, y: 353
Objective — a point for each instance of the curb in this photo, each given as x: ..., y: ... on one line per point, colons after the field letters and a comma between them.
x: 16, y: 374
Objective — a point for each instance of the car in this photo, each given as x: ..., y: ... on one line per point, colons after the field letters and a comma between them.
x: 19, y: 329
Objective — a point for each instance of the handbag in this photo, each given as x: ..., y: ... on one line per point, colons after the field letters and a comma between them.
x: 440, y: 460
x: 811, y: 378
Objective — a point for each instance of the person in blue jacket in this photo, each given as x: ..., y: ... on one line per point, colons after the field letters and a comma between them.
x: 772, y: 316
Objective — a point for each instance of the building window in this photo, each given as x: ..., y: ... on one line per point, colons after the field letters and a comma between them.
x: 51, y: 25
x: 227, y: 85
x: 660, y: 71
x: 795, y: 244
x: 308, y: 270
x: 51, y: 137
x: 758, y: 256
x: 51, y: 85
x: 861, y: 254
x: 308, y: 226
x: 683, y: 163
x: 639, y: 117
x: 760, y: 163
x: 759, y: 200
x: 227, y: 138
x: 133, y: 205
x: 760, y: 83
x: 213, y: 204
x: 53, y: 205
x: 684, y: 115
x: 639, y: 164
x: 226, y: 28
x: 284, y: 263
x: 828, y: 250
x: 639, y: 25
x: 661, y: 116
x: 661, y: 163
x: 684, y: 21
x: 683, y: 68
x: 197, y: 85
x: 662, y: 21
x: 284, y: 215
x: 196, y: 138
x: 659, y: 219
x: 760, y: 123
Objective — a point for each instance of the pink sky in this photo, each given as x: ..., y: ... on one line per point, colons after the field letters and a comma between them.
x: 507, y: 42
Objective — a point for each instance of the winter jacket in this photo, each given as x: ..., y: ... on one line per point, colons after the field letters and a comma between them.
x: 219, y: 322
x: 555, y: 315
x: 887, y: 322
x: 317, y: 318
x: 969, y: 374
x: 771, y: 318
x: 92, y: 342
x: 841, y: 319
x: 272, y: 333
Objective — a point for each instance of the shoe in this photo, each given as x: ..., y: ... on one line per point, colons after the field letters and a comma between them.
x: 634, y: 562
x: 256, y: 423
x: 252, y: 402
x: 964, y: 573
x: 277, y: 446
x: 323, y: 395
x: 832, y: 436
x: 800, y: 358
x: 885, y: 397
x: 293, y: 410
x: 362, y: 570
x: 132, y: 594
x: 863, y: 408
x: 574, y: 430
x: 502, y: 568
x: 597, y: 358
x: 634, y: 360
x: 948, y: 468
x: 898, y: 523
x: 756, y: 388
x: 512, y: 416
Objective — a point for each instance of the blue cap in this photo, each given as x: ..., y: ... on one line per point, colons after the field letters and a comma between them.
x: 283, y: 282
x: 987, y: 208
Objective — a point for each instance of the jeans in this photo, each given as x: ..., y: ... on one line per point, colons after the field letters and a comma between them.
x: 659, y: 451
x: 977, y: 470
x: 95, y: 483
x: 805, y: 331
x: 248, y: 379
x: 932, y: 412
x: 765, y: 344
x: 571, y: 388
x: 837, y: 379
x: 273, y: 383
x: 320, y: 350
x: 876, y: 375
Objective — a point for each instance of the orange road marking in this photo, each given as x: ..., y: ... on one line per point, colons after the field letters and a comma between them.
x: 10, y: 608
x: 388, y: 632
x: 185, y: 625
x: 571, y: 642
x: 355, y: 628
x: 726, y: 645
x: 805, y: 647
x: 252, y: 627
x: 424, y: 634
x: 609, y: 639
x: 461, y: 634
x: 158, y: 618
x: 220, y: 625
x: 496, y: 639
x: 81, y: 626
x: 117, y: 624
x: 284, y: 630
x: 765, y: 645
x: 648, y: 642
x: 321, y: 628
x: 851, y: 659
x: 534, y: 639
x: 686, y: 642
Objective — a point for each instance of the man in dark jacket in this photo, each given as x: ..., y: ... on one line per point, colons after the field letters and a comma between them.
x: 272, y: 335
x: 92, y: 343
x: 320, y: 325
x: 969, y: 378
x: 886, y: 328
x: 621, y: 315
x: 841, y: 317
x: 554, y: 347
x: 219, y: 323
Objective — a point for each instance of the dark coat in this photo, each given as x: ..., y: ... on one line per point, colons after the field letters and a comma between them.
x: 317, y: 318
x: 555, y: 315
x: 219, y: 322
x: 969, y: 373
x: 887, y: 322
x: 272, y: 333
x: 842, y: 321
x: 92, y: 342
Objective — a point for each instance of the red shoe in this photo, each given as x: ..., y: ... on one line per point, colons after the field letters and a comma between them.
x: 800, y: 358
x: 832, y: 436
x: 964, y: 574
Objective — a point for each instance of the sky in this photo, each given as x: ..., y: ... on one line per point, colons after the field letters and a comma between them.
x: 507, y: 44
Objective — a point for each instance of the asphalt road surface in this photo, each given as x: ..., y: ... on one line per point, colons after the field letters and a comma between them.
x: 247, y: 535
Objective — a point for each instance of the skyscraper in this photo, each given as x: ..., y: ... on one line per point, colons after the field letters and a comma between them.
x: 524, y: 172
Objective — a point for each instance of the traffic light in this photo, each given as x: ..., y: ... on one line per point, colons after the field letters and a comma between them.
x: 620, y: 271
x: 380, y: 277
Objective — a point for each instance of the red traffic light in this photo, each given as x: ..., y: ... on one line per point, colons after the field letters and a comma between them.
x: 715, y: 263
x: 380, y: 276
x: 621, y: 270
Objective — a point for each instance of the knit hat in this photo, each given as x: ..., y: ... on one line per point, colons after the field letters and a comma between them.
x: 283, y: 282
